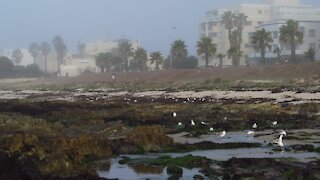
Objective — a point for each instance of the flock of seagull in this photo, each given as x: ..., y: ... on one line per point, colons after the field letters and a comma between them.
x: 278, y: 141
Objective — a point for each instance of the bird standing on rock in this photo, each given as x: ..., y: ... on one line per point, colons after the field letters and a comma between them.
x: 174, y: 114
x: 193, y: 123
x: 254, y: 126
x: 223, y: 133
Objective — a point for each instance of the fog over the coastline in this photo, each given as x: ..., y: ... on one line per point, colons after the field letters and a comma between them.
x: 150, y: 22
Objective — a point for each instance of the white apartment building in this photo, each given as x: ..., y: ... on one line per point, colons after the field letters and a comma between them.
x: 94, y: 48
x: 271, y: 15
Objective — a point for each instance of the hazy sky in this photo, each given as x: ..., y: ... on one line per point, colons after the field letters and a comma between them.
x: 149, y: 21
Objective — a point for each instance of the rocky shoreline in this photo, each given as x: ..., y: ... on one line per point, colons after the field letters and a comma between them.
x: 61, y: 139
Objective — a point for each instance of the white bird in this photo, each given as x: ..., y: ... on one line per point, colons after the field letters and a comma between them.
x: 250, y: 132
x: 254, y: 126
x: 192, y: 123
x: 135, y: 101
x: 225, y: 118
x: 279, y: 141
x: 223, y: 133
x: 282, y: 132
x: 174, y: 114
x: 179, y: 123
x: 274, y: 123
x: 203, y: 123
x: 211, y: 129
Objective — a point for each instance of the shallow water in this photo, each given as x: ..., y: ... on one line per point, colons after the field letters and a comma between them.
x: 124, y: 172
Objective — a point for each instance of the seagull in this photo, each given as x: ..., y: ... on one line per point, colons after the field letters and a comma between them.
x: 211, y: 129
x: 223, y: 133
x: 135, y: 101
x: 274, y: 123
x: 179, y: 123
x: 279, y: 141
x: 174, y: 114
x: 203, y: 123
x: 254, y: 126
x: 225, y: 118
x: 282, y: 132
x: 250, y: 132
x: 192, y: 123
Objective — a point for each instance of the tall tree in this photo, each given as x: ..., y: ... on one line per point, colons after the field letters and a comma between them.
x: 234, y: 24
x: 311, y: 54
x: 34, y: 51
x: 156, y: 58
x: 17, y: 56
x: 6, y: 65
x: 104, y: 61
x: 140, y: 59
x: 207, y: 48
x: 278, y: 52
x: 262, y: 39
x: 290, y: 34
x: 228, y: 20
x: 61, y: 51
x: 179, y: 52
x: 221, y: 56
x: 125, y: 51
x: 45, y: 50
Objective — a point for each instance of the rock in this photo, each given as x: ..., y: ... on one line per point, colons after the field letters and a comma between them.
x: 198, y: 177
x: 151, y: 138
x: 174, y: 170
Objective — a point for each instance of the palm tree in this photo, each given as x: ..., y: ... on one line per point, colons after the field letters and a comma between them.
x: 17, y: 56
x: 61, y: 51
x: 140, y: 59
x: 262, y: 39
x: 221, y: 56
x: 233, y: 53
x: 310, y: 54
x: 178, y: 52
x: 34, y: 51
x: 104, y: 61
x: 206, y: 47
x: 157, y: 58
x: 291, y: 35
x: 45, y: 50
x: 125, y: 51
x: 228, y: 20
x: 277, y: 51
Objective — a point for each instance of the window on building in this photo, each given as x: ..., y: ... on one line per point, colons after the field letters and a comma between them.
x: 275, y: 35
x: 248, y: 23
x: 260, y: 22
x: 247, y: 45
x: 259, y: 11
x: 312, y: 33
x: 302, y: 29
x: 213, y: 34
x: 203, y: 27
x: 312, y: 45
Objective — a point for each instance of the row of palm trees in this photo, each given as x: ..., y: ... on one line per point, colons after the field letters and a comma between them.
x: 44, y: 49
x: 261, y: 39
x: 125, y: 58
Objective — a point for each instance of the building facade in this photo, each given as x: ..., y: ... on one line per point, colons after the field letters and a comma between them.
x: 271, y: 15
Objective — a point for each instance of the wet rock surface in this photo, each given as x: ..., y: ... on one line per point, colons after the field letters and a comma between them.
x: 42, y: 139
x: 270, y: 169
